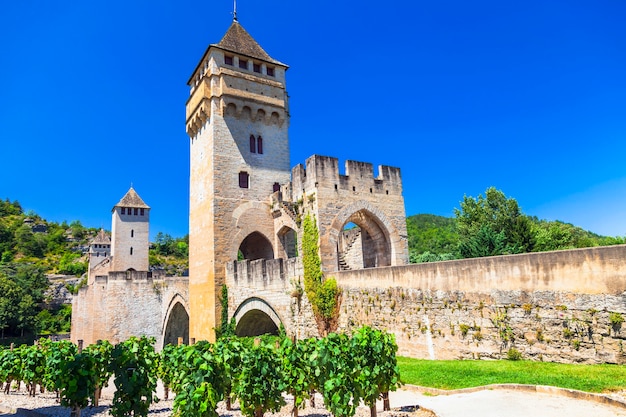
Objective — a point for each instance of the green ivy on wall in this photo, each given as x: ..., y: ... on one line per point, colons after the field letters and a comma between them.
x: 323, y: 294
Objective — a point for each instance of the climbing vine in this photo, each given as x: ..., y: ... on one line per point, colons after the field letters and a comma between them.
x: 311, y: 261
x: 322, y: 294
x: 226, y: 328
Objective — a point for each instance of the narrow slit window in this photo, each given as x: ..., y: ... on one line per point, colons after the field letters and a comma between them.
x: 259, y: 145
x: 132, y: 233
x: 131, y: 250
x: 244, y: 180
x: 252, y: 144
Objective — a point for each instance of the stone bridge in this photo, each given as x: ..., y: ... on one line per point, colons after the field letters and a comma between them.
x: 564, y: 306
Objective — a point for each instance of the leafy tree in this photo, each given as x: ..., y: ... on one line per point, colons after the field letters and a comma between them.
x: 172, y: 364
x: 202, y: 382
x: 8, y: 304
x: 435, y: 235
x: 230, y: 350
x: 70, y: 265
x: 261, y: 381
x: 101, y: 354
x: 57, y: 354
x: 376, y: 367
x: 298, y: 370
x: 492, y: 225
x: 335, y: 369
x: 78, y: 230
x: 552, y: 236
x: 8, y: 208
x: 76, y: 381
x: 134, y: 365
x: 33, y: 366
x: 28, y: 243
x: 10, y: 367
x: 431, y: 257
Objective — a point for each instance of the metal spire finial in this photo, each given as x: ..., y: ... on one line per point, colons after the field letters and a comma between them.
x: 235, y: 10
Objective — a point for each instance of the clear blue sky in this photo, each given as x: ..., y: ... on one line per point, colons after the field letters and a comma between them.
x: 529, y: 97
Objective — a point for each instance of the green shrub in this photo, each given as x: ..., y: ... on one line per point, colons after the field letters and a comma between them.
x: 616, y: 319
x: 513, y: 354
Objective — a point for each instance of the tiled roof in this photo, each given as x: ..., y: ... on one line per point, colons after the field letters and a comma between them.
x: 101, y: 238
x: 132, y: 199
x: 239, y: 41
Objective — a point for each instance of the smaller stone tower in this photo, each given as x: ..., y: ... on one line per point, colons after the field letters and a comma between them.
x: 99, y: 250
x: 130, y: 233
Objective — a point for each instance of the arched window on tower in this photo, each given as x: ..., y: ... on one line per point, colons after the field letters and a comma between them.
x: 259, y: 145
x: 252, y: 144
x: 244, y: 180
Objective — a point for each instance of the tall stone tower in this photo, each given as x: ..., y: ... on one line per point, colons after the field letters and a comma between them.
x: 130, y: 233
x: 237, y: 118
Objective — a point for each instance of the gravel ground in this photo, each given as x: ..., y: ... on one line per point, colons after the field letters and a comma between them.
x: 47, y: 404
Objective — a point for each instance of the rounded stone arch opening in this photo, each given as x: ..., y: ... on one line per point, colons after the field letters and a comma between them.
x: 255, y: 317
x: 368, y: 245
x: 176, y: 323
x: 256, y: 246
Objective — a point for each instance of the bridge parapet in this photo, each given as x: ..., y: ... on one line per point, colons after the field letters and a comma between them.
x: 268, y: 274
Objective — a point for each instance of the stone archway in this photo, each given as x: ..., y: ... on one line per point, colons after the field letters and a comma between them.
x: 256, y: 246
x: 255, y: 317
x: 177, y: 325
x: 370, y: 244
x: 288, y: 239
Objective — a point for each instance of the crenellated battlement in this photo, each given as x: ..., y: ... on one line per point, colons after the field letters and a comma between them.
x: 272, y: 274
x: 322, y: 173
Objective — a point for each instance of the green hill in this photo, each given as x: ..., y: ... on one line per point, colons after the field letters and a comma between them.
x: 492, y: 224
x: 33, y: 249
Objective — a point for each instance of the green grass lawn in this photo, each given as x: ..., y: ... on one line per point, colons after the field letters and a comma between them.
x: 468, y: 373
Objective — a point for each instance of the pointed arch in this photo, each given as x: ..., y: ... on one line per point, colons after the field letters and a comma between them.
x: 379, y: 237
x: 176, y: 321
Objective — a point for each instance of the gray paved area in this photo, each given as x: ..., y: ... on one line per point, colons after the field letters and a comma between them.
x: 505, y: 403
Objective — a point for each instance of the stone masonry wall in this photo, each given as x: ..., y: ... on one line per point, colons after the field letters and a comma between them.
x: 563, y: 306
x: 126, y: 304
x: 275, y: 282
x: 557, y: 306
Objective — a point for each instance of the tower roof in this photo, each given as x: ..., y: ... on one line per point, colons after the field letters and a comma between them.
x: 239, y: 41
x: 101, y: 238
x: 132, y: 199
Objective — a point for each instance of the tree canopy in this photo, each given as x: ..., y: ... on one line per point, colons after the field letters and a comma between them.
x: 492, y: 224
